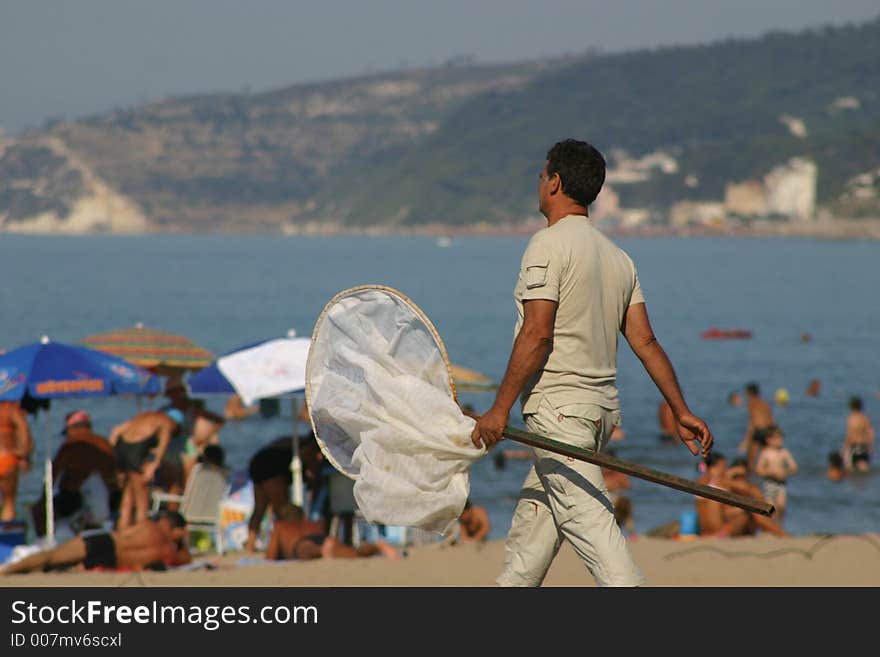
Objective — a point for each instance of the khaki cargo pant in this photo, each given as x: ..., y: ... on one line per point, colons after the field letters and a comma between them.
x: 563, y: 498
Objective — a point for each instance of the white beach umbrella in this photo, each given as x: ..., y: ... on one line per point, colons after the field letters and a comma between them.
x: 274, y: 368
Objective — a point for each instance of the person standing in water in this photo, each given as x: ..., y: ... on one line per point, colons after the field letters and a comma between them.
x: 775, y: 464
x: 858, y: 446
x: 760, y: 422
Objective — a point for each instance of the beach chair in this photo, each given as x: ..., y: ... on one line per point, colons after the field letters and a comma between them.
x: 200, y: 504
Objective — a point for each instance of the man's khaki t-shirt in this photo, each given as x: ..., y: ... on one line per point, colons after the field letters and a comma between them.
x: 594, y: 282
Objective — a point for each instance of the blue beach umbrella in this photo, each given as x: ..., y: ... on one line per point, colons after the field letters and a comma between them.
x: 54, y: 370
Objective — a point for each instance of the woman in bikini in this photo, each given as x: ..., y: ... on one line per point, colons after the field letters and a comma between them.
x: 16, y: 446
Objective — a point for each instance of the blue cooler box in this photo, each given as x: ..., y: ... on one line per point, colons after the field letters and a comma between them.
x: 12, y: 533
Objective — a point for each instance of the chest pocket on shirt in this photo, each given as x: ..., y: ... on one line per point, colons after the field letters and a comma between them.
x: 536, y: 275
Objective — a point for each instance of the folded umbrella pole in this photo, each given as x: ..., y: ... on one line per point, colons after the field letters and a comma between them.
x: 672, y: 481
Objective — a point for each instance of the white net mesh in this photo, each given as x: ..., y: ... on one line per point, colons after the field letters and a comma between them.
x: 384, y: 412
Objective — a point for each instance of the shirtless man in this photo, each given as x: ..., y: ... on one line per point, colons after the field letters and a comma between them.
x: 133, y: 442
x: 858, y: 446
x: 296, y: 537
x: 760, y: 421
x: 775, y: 464
x: 150, y: 543
x: 473, y: 524
x: 82, y: 455
x: 717, y: 520
x: 666, y: 420
x: 16, y: 446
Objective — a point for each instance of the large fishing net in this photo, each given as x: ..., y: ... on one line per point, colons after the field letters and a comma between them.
x: 383, y: 407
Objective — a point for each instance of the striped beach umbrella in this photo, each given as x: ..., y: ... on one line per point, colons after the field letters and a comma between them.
x: 159, y: 351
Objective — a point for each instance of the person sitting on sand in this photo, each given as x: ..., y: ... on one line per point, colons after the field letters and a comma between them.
x: 858, y: 445
x: 775, y: 464
x: 473, y: 524
x: 296, y: 537
x: 156, y: 543
x: 717, y: 520
x: 83, y: 455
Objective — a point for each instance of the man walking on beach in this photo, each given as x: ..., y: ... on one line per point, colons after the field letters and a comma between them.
x: 576, y: 291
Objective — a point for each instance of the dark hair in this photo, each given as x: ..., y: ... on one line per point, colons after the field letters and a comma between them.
x: 581, y: 169
x: 740, y: 462
x: 213, y: 455
x: 835, y: 460
x: 855, y: 403
x: 177, y: 521
x: 713, y: 458
x: 753, y: 389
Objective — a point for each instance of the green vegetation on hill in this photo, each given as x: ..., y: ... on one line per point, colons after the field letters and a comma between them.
x: 716, y: 108
x: 464, y: 144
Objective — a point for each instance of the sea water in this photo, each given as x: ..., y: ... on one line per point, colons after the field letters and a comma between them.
x: 225, y: 291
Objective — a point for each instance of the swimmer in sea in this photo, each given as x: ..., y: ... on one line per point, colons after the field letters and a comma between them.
x: 858, y: 445
x: 760, y: 422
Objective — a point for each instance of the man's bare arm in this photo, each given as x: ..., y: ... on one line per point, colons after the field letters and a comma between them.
x: 530, y: 351
x: 640, y: 336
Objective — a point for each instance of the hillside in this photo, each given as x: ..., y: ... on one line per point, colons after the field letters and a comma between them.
x: 714, y: 109
x: 237, y: 161
x: 463, y: 144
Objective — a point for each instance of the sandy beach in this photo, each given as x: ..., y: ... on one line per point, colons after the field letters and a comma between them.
x: 845, y: 560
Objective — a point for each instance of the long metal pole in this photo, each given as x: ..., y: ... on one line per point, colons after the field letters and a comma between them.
x: 627, y: 467
x: 296, y: 462
x: 49, y: 483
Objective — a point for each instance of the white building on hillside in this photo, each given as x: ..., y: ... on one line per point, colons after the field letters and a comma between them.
x: 791, y: 189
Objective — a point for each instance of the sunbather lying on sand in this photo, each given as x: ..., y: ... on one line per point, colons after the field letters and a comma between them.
x: 153, y: 543
x: 295, y: 537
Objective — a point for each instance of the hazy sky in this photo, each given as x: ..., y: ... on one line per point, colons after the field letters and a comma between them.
x: 69, y: 58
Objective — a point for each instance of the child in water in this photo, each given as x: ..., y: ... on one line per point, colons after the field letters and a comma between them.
x: 775, y: 464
